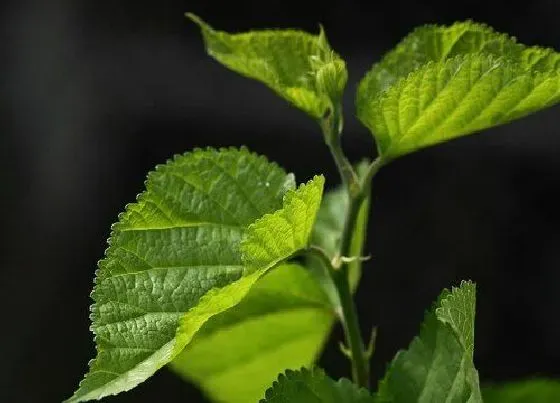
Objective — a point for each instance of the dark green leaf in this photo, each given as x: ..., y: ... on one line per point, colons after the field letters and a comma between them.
x: 313, y: 386
x: 528, y: 391
x: 438, y: 365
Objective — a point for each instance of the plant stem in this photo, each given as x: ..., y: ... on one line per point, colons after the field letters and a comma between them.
x: 348, y: 312
x: 357, y: 190
x: 347, y: 174
x: 349, y: 317
x: 351, y: 326
x: 331, y: 125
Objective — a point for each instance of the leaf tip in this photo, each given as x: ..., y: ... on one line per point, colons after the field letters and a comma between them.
x: 195, y: 18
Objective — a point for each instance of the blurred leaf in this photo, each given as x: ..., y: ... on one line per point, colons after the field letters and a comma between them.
x: 282, y: 323
x: 528, y: 391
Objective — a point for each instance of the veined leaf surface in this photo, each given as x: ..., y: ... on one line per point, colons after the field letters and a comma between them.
x: 275, y: 327
x: 443, y: 82
x: 300, y: 67
x: 281, y: 324
x: 186, y: 251
x: 438, y: 365
x: 314, y: 386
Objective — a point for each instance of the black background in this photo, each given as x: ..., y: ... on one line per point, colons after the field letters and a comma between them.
x: 95, y: 93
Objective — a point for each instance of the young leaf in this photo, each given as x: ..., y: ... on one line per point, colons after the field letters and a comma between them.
x: 438, y: 365
x: 277, y: 236
x: 313, y: 386
x: 282, y: 323
x: 178, y: 257
x: 533, y: 390
x: 300, y: 67
x: 443, y: 82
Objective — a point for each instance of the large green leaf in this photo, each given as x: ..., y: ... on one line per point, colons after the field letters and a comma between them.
x: 282, y: 323
x: 528, y: 391
x: 275, y: 327
x: 438, y: 365
x: 184, y: 253
x: 442, y: 82
x: 313, y: 386
x: 300, y: 67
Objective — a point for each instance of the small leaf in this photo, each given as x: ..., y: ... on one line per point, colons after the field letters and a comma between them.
x: 175, y: 259
x: 282, y: 323
x: 300, y: 67
x: 276, y: 236
x: 528, y: 391
x: 443, y: 82
x: 438, y: 365
x: 313, y: 386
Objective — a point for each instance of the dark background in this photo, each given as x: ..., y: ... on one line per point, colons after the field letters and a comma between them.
x: 95, y: 93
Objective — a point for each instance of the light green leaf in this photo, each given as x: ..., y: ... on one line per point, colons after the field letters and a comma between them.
x: 443, y: 82
x: 528, y: 391
x: 178, y: 256
x: 274, y: 328
x: 300, y: 67
x: 313, y: 386
x: 277, y: 236
x: 438, y: 365
x: 282, y: 323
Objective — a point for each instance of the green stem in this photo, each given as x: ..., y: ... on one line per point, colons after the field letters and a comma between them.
x: 360, y: 353
x: 358, y: 190
x: 348, y: 312
x: 331, y: 125
x: 347, y: 173
x: 351, y: 326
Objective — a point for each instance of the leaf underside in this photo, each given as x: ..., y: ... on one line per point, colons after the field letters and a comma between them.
x: 438, y: 365
x: 313, y: 386
x: 186, y: 251
x: 281, y: 324
x: 443, y: 82
x: 298, y: 66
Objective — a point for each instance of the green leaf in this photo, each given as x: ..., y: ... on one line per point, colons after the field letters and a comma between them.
x: 181, y: 255
x: 443, y: 82
x: 238, y: 354
x: 528, y: 391
x: 277, y: 236
x: 313, y: 386
x: 300, y: 67
x: 438, y: 365
x: 282, y: 323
